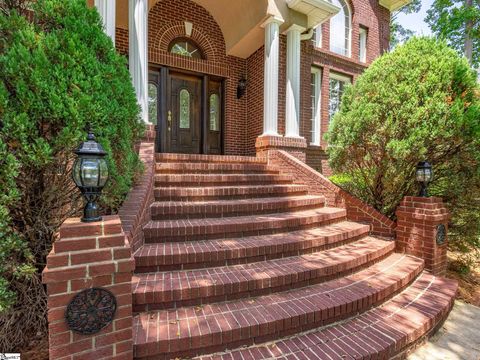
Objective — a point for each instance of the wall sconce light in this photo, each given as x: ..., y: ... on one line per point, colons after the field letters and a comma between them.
x: 241, y: 88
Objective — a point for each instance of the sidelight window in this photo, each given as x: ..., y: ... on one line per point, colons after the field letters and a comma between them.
x: 152, y: 103
x: 214, y: 112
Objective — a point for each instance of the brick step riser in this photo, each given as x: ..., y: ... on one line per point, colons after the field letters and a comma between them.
x: 227, y: 231
x: 281, y: 253
x: 213, y: 211
x: 219, y: 169
x: 167, y: 184
x: 165, y: 195
x: 215, y: 159
x: 204, y: 296
x: 273, y: 331
x: 367, y: 336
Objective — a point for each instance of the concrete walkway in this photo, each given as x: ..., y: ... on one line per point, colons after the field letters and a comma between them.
x: 458, y: 339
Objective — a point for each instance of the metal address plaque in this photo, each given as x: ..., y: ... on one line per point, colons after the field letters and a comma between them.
x: 91, y: 310
x: 441, y: 234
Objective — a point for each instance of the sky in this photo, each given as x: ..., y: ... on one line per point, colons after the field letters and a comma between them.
x: 416, y: 21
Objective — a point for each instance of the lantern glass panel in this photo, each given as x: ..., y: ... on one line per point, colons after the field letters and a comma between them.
x: 420, y: 175
x: 103, y: 172
x: 427, y: 175
x: 90, y: 172
x: 77, y: 166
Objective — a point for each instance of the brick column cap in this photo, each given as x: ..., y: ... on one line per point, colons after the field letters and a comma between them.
x: 75, y: 228
x: 421, y: 199
x: 270, y: 141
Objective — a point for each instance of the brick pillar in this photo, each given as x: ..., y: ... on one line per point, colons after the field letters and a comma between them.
x: 420, y: 223
x: 294, y: 146
x: 90, y: 255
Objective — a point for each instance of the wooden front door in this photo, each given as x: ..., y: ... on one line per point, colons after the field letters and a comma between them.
x: 184, y: 114
x: 188, y: 110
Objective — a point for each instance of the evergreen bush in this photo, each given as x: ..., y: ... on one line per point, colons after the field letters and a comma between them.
x: 419, y: 102
x: 59, y: 71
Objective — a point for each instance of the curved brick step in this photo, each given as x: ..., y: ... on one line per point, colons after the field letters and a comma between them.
x: 381, y: 333
x: 193, y: 158
x: 216, y: 228
x: 218, y: 168
x: 165, y: 210
x: 228, y: 192
x: 188, y: 331
x: 168, y: 180
x: 210, y: 253
x: 164, y: 290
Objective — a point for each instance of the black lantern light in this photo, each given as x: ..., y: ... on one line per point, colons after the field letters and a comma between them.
x: 424, y: 176
x: 242, y: 87
x: 90, y: 173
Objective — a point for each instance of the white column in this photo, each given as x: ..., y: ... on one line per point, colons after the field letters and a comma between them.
x: 292, y: 106
x: 137, y: 52
x: 270, y: 81
x: 106, y: 9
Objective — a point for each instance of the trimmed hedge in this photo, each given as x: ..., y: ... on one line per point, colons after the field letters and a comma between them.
x: 419, y: 102
x: 59, y: 72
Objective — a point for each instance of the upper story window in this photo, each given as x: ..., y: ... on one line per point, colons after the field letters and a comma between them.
x: 316, y: 99
x: 340, y: 29
x: 186, y: 47
x: 317, y: 37
x: 362, y: 44
x: 337, y: 85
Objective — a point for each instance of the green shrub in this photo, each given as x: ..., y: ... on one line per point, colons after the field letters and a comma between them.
x: 59, y: 72
x: 420, y: 102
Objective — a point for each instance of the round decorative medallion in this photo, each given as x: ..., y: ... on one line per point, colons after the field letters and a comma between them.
x: 441, y: 234
x: 91, y: 310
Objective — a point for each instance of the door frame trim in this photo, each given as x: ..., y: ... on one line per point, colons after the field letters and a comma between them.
x: 162, y: 74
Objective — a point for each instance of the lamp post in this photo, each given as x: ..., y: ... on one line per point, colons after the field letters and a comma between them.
x: 424, y: 175
x: 90, y: 173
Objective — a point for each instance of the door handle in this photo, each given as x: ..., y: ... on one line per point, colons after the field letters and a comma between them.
x: 169, y: 120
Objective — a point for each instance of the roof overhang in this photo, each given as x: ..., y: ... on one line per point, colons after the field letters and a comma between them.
x: 317, y: 11
x: 393, y: 5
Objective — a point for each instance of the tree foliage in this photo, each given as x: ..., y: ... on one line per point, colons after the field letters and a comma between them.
x: 455, y: 21
x: 419, y: 102
x: 398, y: 33
x: 59, y: 72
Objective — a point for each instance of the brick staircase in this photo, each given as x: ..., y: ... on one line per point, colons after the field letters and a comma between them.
x: 241, y: 262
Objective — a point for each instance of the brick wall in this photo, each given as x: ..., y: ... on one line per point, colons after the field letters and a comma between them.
x: 165, y: 23
x: 318, y: 184
x: 244, y: 118
x: 87, y: 255
x: 135, y: 210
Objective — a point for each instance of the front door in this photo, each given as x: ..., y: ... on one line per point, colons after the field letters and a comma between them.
x: 184, y: 114
x: 188, y: 111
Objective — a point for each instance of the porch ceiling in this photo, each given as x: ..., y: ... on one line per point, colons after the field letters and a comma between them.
x: 240, y: 20
x: 393, y: 5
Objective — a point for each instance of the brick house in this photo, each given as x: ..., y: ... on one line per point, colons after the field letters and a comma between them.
x: 215, y: 48
x: 232, y: 245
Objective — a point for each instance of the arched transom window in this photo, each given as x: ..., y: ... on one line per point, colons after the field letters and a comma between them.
x: 185, y: 47
x: 340, y: 29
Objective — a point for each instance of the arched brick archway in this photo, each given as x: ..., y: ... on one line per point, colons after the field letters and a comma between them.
x: 174, y: 30
x: 166, y: 22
